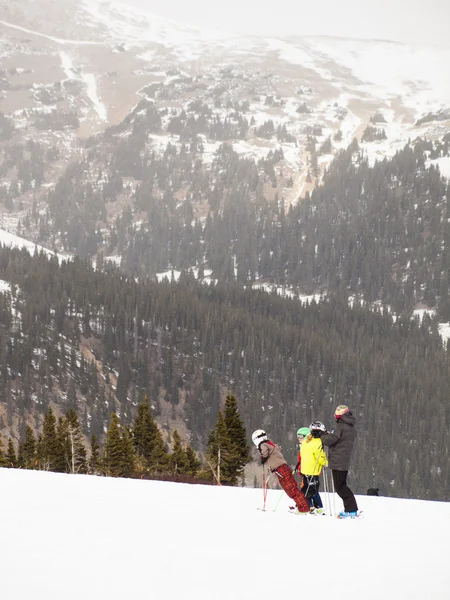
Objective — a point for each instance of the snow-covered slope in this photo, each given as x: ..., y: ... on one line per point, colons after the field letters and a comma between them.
x: 74, y: 537
x: 14, y: 241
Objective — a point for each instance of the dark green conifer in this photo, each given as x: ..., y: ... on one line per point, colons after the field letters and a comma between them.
x: 49, y: 448
x: 147, y: 441
x: 193, y: 463
x: 144, y: 430
x: 128, y: 460
x: 28, y: 450
x: 218, y: 452
x: 11, y: 458
x: 178, y: 459
x: 94, y: 460
x: 76, y: 457
x: 239, y: 449
x: 113, y: 452
x: 3, y: 462
x: 160, y: 457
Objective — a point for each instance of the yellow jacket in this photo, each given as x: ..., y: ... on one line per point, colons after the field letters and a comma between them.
x: 313, y: 456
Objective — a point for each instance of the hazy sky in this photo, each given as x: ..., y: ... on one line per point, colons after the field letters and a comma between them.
x: 423, y: 21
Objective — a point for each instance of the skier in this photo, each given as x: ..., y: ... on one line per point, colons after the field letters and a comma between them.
x: 340, y: 442
x: 313, y: 460
x: 301, y: 434
x: 271, y: 455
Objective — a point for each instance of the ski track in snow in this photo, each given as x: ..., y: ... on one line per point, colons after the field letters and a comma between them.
x: 55, y: 39
x: 90, y: 82
x: 91, y: 85
x: 67, y: 65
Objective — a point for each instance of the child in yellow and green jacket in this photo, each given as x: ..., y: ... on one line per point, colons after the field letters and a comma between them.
x: 313, y: 459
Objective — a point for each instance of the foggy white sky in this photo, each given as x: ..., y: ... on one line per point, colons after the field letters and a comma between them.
x: 420, y: 21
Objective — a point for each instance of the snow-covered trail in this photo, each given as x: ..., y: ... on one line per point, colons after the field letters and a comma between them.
x: 56, y: 39
x: 91, y: 88
x: 89, y: 80
x: 91, y: 537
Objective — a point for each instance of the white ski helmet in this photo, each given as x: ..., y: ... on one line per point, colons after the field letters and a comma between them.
x: 317, y: 426
x: 259, y: 436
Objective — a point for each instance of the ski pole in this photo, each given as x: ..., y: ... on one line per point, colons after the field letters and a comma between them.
x: 332, y: 500
x: 278, y: 501
x: 325, y: 488
x: 334, y: 494
x: 265, y: 482
x: 330, y: 494
x: 326, y: 483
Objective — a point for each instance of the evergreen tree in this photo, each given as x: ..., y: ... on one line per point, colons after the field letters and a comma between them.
x: 239, y: 449
x: 28, y: 450
x: 11, y: 458
x: 219, y: 453
x: 3, y: 461
x: 94, y: 460
x: 148, y: 442
x: 178, y: 459
x: 144, y: 430
x: 113, y: 456
x: 192, y: 462
x: 49, y: 449
x: 63, y: 457
x: 76, y: 456
x: 128, y: 460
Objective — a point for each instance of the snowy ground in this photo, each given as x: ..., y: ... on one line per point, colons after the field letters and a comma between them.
x: 70, y: 537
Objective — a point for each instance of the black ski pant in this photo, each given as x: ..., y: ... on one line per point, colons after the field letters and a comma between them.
x: 342, y: 490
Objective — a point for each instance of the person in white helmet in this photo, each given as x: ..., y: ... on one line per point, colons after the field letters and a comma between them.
x: 272, y: 457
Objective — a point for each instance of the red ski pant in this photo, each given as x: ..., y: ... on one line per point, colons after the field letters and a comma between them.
x: 289, y: 485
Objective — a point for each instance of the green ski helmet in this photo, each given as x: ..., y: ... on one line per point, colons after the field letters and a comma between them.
x: 303, y: 432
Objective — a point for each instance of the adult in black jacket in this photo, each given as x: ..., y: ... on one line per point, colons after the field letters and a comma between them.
x: 340, y: 444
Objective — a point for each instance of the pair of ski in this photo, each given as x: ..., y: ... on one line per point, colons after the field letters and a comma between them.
x: 358, y: 516
x: 315, y: 514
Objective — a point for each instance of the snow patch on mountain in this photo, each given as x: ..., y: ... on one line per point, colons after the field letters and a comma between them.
x: 14, y: 241
x: 89, y: 80
x: 91, y: 87
x: 388, y: 69
x: 297, y: 55
x: 135, y: 25
x: 444, y: 165
x: 4, y: 286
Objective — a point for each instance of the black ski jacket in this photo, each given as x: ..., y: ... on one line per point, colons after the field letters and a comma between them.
x: 341, y: 442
